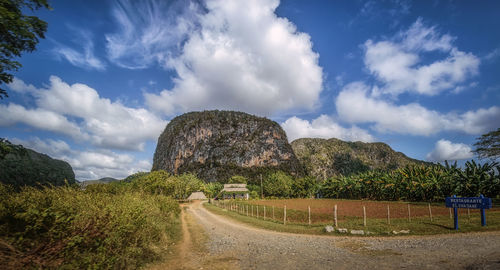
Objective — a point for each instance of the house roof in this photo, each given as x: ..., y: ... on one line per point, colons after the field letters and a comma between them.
x: 235, y: 188
x: 197, y: 196
x: 235, y: 185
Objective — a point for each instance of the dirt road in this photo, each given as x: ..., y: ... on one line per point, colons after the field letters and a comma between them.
x: 227, y: 244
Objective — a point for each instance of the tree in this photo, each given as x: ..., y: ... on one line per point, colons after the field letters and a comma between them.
x: 488, y: 145
x: 18, y: 33
x: 278, y: 184
x: 237, y: 179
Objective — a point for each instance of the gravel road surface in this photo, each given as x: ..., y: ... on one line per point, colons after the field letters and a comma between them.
x: 241, y: 246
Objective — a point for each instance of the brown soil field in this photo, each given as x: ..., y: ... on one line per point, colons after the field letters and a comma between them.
x: 323, y: 208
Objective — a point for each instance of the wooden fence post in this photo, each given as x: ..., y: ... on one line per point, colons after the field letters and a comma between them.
x: 409, y: 214
x: 309, y: 210
x: 468, y: 214
x: 388, y: 215
x: 284, y: 216
x: 273, y: 212
x: 264, y: 212
x: 252, y: 210
x: 430, y: 211
x: 247, y: 209
x: 450, y: 213
x: 335, y: 215
x: 364, y: 216
x: 257, y: 211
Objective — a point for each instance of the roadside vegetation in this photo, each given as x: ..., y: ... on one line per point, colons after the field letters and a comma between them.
x: 130, y: 223
x: 121, y: 225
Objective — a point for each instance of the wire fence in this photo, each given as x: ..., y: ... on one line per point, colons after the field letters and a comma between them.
x: 340, y: 211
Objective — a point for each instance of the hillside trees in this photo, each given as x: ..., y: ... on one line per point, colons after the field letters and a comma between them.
x: 18, y: 33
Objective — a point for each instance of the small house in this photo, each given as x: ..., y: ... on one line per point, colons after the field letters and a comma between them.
x: 235, y: 191
x: 197, y: 196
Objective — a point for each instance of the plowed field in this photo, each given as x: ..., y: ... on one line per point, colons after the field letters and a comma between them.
x: 322, y: 209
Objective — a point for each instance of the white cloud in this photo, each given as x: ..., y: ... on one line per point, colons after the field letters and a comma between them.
x: 397, y: 63
x: 84, y: 58
x: 149, y: 31
x: 53, y: 148
x: 355, y: 105
x: 103, y: 122
x: 493, y: 54
x: 323, y: 127
x: 19, y: 86
x: 242, y: 57
x: 446, y: 150
x: 39, y: 118
x: 88, y: 164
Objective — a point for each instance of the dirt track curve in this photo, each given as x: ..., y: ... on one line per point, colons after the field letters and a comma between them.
x: 228, y: 244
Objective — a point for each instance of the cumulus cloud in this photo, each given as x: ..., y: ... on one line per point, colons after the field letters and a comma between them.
x: 355, y: 104
x: 242, y: 56
x: 446, y: 150
x: 88, y: 164
x: 103, y: 122
x: 396, y: 63
x: 83, y: 57
x: 39, y: 118
x: 323, y: 127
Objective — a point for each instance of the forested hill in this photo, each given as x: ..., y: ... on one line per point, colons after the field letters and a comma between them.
x: 325, y: 158
x: 20, y: 166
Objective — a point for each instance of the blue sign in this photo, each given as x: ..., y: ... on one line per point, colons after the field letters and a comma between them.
x: 480, y: 202
x: 468, y: 202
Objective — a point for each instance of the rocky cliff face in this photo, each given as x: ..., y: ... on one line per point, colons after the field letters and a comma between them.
x: 326, y: 158
x: 20, y: 166
x: 218, y: 144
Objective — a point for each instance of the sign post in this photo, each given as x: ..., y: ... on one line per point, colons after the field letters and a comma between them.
x: 480, y: 202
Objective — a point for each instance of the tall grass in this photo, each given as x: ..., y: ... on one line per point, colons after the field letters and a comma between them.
x: 69, y: 228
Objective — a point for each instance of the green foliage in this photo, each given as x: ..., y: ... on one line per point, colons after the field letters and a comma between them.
x: 477, y: 179
x: 162, y: 183
x: 237, y: 179
x: 488, y: 145
x: 70, y: 228
x: 304, y: 187
x: 417, y: 183
x: 18, y: 33
x: 212, y: 189
x: 278, y: 184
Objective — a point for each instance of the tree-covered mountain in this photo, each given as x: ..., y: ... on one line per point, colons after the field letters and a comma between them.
x: 324, y: 158
x: 20, y: 166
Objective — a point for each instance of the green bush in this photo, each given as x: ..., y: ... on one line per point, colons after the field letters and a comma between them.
x: 212, y: 189
x: 66, y: 227
x: 278, y: 184
x: 162, y: 183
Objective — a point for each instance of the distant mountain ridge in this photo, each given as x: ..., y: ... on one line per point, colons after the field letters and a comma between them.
x: 324, y: 158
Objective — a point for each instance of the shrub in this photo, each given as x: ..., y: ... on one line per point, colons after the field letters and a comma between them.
x: 66, y: 227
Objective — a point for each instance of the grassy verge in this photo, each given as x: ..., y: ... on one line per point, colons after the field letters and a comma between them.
x: 70, y: 228
x: 417, y: 226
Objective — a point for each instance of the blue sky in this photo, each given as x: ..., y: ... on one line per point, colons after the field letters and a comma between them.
x: 421, y: 76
